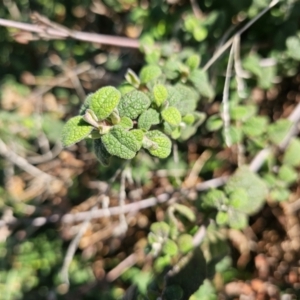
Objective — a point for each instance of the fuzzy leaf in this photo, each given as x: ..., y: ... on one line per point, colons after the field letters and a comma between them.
x: 139, y: 135
x: 160, y: 94
x: 163, y: 143
x: 148, y: 118
x: 199, y: 79
x: 171, y: 115
x: 149, y: 73
x: 133, y: 104
x: 132, y: 78
x: 101, y: 153
x: 238, y: 220
x: 255, y: 126
x: 182, y: 97
x: 278, y: 130
x: 125, y: 88
x: 214, y: 123
x: 120, y: 142
x: 104, y: 101
x: 287, y: 174
x: 75, y: 130
x: 189, y: 119
x: 185, y: 243
x: 193, y: 61
x: 291, y: 156
x: 255, y: 187
x: 237, y: 198
x: 170, y: 248
x: 185, y: 211
x: 222, y: 218
x: 242, y: 112
x: 126, y: 123
x: 293, y: 46
x: 161, y: 229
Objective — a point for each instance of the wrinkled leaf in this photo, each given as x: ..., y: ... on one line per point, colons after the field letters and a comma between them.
x: 120, y: 142
x: 160, y: 94
x: 291, y: 156
x: 171, y: 115
x: 104, y: 101
x: 255, y: 187
x: 75, y: 130
x: 149, y: 73
x: 278, y: 130
x: 185, y: 243
x: 148, y: 118
x: 170, y: 247
x: 163, y: 143
x: 133, y: 104
x: 185, y: 211
x: 199, y: 79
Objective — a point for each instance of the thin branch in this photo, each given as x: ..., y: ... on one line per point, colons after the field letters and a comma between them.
x: 221, y: 50
x: 56, y: 33
x: 225, y: 112
x: 64, y: 273
x: 196, y: 9
x: 116, y: 272
x: 22, y: 162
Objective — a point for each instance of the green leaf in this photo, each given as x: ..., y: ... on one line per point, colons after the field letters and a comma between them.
x: 185, y: 243
x: 139, y: 136
x: 125, y: 88
x: 176, y: 133
x: 149, y: 73
x: 185, y: 211
x: 75, y: 130
x: 252, y: 63
x: 193, y: 61
x: 163, y: 144
x: 188, y: 99
x: 291, y: 156
x: 104, y: 101
x: 242, y: 112
x: 267, y: 77
x: 126, y: 123
x: 278, y: 130
x: 237, y: 198
x: 235, y: 133
x: 120, y: 142
x: 255, y: 187
x: 199, y: 79
x: 189, y: 119
x: 280, y: 194
x: 101, y: 153
x: 214, y: 123
x: 170, y: 247
x: 132, y: 78
x: 293, y: 46
x: 214, y: 198
x: 171, y: 115
x: 161, y: 229
x: 255, y: 126
x: 133, y: 104
x: 237, y: 220
x: 160, y: 94
x: 287, y: 174
x: 148, y: 118
x: 222, y: 218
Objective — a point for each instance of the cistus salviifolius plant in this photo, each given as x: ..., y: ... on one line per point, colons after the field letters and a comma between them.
x: 146, y: 111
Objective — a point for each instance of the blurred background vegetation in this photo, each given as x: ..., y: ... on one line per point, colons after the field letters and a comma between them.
x: 250, y: 240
